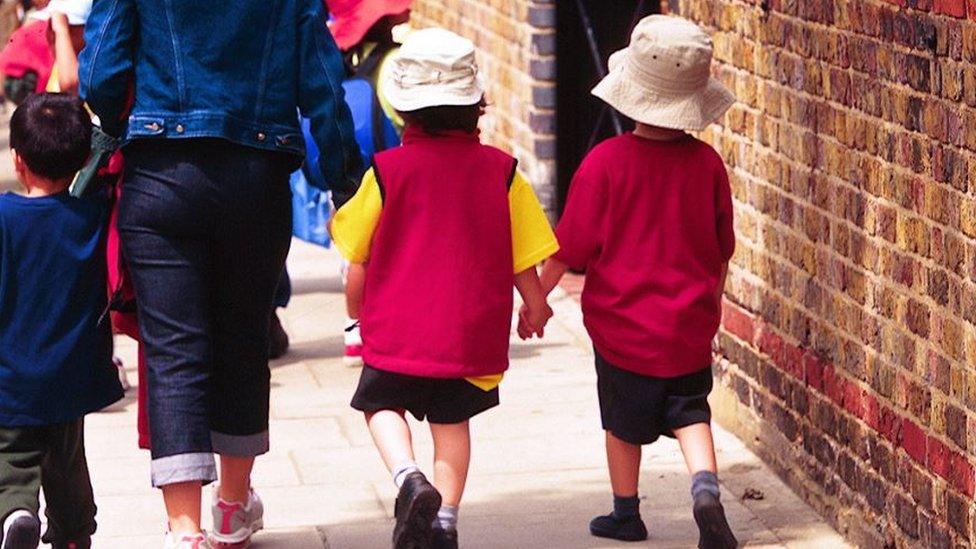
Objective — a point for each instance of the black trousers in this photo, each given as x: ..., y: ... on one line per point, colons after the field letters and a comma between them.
x: 52, y: 457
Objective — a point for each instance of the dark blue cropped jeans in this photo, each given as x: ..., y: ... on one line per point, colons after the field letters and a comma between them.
x: 205, y: 228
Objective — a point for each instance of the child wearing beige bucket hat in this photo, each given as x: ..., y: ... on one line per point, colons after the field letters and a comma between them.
x: 649, y: 218
x: 444, y: 226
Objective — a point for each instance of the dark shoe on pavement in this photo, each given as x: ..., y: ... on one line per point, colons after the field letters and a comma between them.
x: 444, y: 539
x: 21, y: 530
x: 416, y: 507
x: 627, y: 529
x: 277, y: 337
x: 713, y: 528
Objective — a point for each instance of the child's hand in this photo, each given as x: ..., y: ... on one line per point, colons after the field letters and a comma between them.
x: 532, y: 321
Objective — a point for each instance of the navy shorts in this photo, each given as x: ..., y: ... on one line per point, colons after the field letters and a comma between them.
x: 639, y: 409
x: 446, y: 401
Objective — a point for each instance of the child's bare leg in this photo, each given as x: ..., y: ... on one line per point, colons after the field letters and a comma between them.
x: 452, y: 455
x: 623, y: 461
x: 698, y: 448
x: 391, y: 435
x: 183, y: 506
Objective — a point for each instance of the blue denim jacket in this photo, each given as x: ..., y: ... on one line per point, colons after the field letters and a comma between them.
x: 239, y: 70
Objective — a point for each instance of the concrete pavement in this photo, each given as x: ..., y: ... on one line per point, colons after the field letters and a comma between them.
x: 537, y: 476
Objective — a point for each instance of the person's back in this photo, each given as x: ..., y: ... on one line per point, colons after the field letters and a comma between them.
x: 204, y: 69
x: 55, y: 346
x: 663, y: 234
x: 456, y: 316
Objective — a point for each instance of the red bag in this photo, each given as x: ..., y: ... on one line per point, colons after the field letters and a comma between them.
x: 122, y: 296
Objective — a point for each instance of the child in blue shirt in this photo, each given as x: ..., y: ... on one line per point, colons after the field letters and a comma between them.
x: 55, y: 349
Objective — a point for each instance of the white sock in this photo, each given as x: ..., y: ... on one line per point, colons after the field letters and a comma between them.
x: 401, y: 471
x: 447, y: 518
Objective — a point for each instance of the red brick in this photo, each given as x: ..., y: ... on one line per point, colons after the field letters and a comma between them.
x: 738, y: 322
x: 913, y: 440
x: 814, y: 371
x: 939, y: 457
x: 962, y: 474
x: 972, y: 9
x: 955, y: 8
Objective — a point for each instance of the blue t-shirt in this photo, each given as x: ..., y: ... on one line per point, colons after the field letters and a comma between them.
x: 55, y: 356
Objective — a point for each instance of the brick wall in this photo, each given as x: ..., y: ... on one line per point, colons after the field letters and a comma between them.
x: 849, y: 343
x: 516, y: 41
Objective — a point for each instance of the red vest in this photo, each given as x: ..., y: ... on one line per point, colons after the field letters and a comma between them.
x: 439, y: 283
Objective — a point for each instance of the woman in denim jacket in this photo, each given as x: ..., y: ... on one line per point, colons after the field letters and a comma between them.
x: 205, y: 97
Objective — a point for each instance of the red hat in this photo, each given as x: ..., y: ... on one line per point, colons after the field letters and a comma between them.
x: 352, y: 19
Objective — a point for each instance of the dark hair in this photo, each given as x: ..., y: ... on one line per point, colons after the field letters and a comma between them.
x: 51, y: 132
x: 435, y: 120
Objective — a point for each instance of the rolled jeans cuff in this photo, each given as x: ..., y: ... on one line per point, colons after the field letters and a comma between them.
x: 197, y: 467
x: 240, y: 445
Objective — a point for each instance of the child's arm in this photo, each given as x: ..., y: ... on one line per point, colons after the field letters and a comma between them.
x: 552, y: 273
x: 536, y: 312
x: 355, y: 282
x: 65, y: 57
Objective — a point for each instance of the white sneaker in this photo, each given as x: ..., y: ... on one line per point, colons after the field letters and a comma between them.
x: 186, y: 541
x: 235, y: 523
x: 123, y: 377
x: 353, y: 356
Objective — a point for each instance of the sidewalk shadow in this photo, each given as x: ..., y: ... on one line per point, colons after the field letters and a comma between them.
x: 559, y: 517
x: 318, y: 349
x: 520, y: 351
x: 324, y: 284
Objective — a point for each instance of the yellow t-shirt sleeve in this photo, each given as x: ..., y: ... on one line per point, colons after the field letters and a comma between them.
x: 532, y: 238
x: 355, y: 223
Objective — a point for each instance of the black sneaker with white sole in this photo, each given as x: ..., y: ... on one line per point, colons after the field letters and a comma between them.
x: 416, y: 506
x: 21, y: 530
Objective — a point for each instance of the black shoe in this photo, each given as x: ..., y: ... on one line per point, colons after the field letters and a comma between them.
x: 713, y: 528
x: 416, y: 507
x: 22, y: 533
x: 444, y: 539
x: 628, y: 529
x: 277, y: 338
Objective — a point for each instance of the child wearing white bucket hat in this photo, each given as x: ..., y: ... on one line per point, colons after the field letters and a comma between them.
x: 67, y: 34
x: 444, y: 226
x: 649, y: 218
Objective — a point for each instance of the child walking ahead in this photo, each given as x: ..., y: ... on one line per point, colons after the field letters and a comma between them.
x: 445, y: 226
x: 649, y: 218
x: 55, y: 352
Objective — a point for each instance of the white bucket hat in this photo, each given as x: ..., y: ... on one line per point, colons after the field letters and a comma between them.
x: 433, y: 68
x: 663, y: 78
x: 77, y: 11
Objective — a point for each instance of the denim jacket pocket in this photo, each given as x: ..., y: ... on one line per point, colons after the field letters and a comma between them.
x: 291, y: 142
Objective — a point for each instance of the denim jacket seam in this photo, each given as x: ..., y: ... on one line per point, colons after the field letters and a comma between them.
x: 177, y: 62
x: 268, y: 47
x: 98, y: 45
x: 335, y: 97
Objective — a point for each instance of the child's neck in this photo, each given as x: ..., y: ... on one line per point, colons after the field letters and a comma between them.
x: 38, y: 187
x: 658, y: 133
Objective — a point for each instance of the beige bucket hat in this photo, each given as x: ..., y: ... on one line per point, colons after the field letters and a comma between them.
x: 663, y: 78
x: 433, y: 68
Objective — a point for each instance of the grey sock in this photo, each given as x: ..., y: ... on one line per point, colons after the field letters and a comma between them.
x: 447, y: 518
x: 626, y: 507
x: 704, y: 482
x: 401, y: 471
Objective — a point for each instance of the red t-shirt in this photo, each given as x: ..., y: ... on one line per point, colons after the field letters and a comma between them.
x: 651, y: 223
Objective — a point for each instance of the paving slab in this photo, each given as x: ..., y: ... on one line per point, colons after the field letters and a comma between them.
x: 538, y: 473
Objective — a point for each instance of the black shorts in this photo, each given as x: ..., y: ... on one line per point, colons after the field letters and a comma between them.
x: 639, y: 409
x: 445, y: 401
